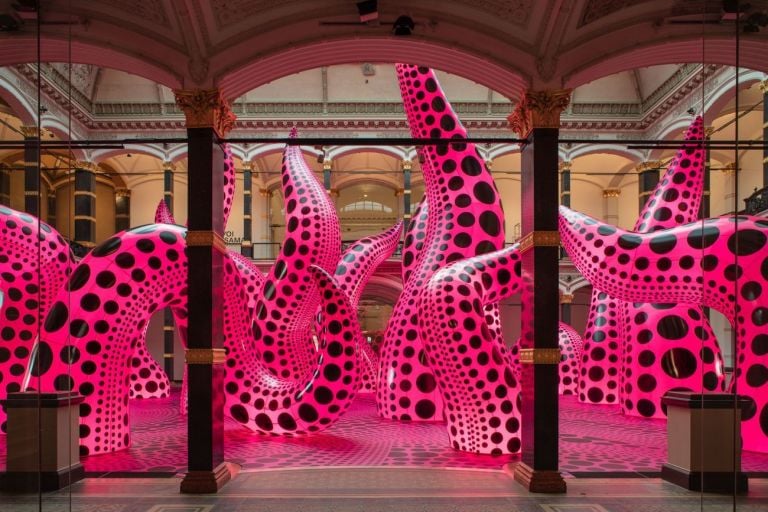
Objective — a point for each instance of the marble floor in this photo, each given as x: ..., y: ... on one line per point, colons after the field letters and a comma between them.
x: 368, y: 489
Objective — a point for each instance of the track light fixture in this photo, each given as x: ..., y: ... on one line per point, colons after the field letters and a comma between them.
x: 403, y: 26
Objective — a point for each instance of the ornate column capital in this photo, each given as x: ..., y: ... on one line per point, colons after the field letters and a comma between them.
x: 539, y: 109
x: 169, y: 166
x: 122, y: 192
x: 263, y: 192
x: 729, y: 169
x: 764, y: 86
x: 650, y: 165
x: 611, y: 192
x: 327, y: 164
x: 406, y: 165
x: 29, y: 132
x: 564, y: 166
x: 566, y: 298
x: 86, y: 166
x: 708, y: 131
x: 206, y: 108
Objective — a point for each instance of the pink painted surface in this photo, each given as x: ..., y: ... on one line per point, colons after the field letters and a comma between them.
x: 100, y: 317
x: 354, y: 270
x: 719, y: 263
x: 478, y: 387
x: 163, y: 215
x: 571, y: 348
x: 413, y: 244
x: 229, y: 183
x: 610, y: 365
x: 289, y: 299
x: 27, y: 290
x: 465, y: 219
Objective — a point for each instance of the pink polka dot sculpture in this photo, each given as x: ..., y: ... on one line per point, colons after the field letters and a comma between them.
x: 91, y: 332
x: 28, y: 284
x: 479, y: 388
x: 413, y: 243
x: 615, y: 366
x: 465, y: 219
x: 287, y: 304
x: 355, y: 268
x: 719, y: 263
x: 570, y: 343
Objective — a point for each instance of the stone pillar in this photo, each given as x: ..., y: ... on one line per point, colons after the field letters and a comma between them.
x: 5, y: 184
x: 611, y: 205
x: 729, y: 186
x: 208, y: 117
x: 246, y: 246
x: 647, y: 178
x: 565, y: 308
x: 265, y: 249
x: 51, y: 218
x: 704, y: 209
x: 169, y: 328
x: 31, y: 170
x: 406, y: 164
x: 537, y: 119
x: 85, y: 204
x: 122, y: 209
x: 764, y: 89
x: 168, y: 184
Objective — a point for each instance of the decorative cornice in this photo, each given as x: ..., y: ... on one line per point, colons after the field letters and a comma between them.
x: 206, y: 239
x: 205, y: 108
x: 205, y: 356
x: 540, y: 355
x: 539, y: 239
x: 539, y: 109
x: 650, y: 165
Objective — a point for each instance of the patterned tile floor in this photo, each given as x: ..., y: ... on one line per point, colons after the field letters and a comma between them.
x: 594, y: 441
x: 382, y: 489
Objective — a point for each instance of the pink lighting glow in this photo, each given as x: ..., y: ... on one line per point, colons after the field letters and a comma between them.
x: 694, y: 264
x: 465, y: 219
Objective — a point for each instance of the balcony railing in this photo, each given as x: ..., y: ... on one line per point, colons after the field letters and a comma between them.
x: 757, y: 203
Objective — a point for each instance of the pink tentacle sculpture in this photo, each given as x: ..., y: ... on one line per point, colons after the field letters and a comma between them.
x: 272, y: 405
x: 288, y: 302
x: 479, y: 389
x: 571, y: 347
x: 720, y: 263
x: 413, y: 244
x: 98, y: 320
x: 147, y: 379
x: 355, y: 268
x: 163, y: 215
x: 674, y: 201
x: 465, y: 219
x: 229, y: 182
x: 27, y: 290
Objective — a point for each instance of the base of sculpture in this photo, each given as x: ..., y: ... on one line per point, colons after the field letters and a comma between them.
x: 206, y: 482
x: 536, y: 480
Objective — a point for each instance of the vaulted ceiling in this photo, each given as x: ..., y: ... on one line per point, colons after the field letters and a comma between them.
x: 241, y: 44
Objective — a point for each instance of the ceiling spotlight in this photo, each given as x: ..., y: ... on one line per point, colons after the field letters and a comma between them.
x: 128, y: 155
x: 691, y: 111
x: 403, y: 26
x: 369, y: 10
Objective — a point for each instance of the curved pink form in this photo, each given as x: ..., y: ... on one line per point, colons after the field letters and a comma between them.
x: 163, y: 215
x: 479, y: 389
x: 27, y: 290
x: 674, y: 201
x: 719, y: 263
x: 465, y: 219
x: 355, y: 268
x: 413, y: 244
x: 271, y: 405
x: 571, y: 349
x: 147, y: 379
x: 288, y: 302
x: 99, y: 318
x: 229, y: 182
